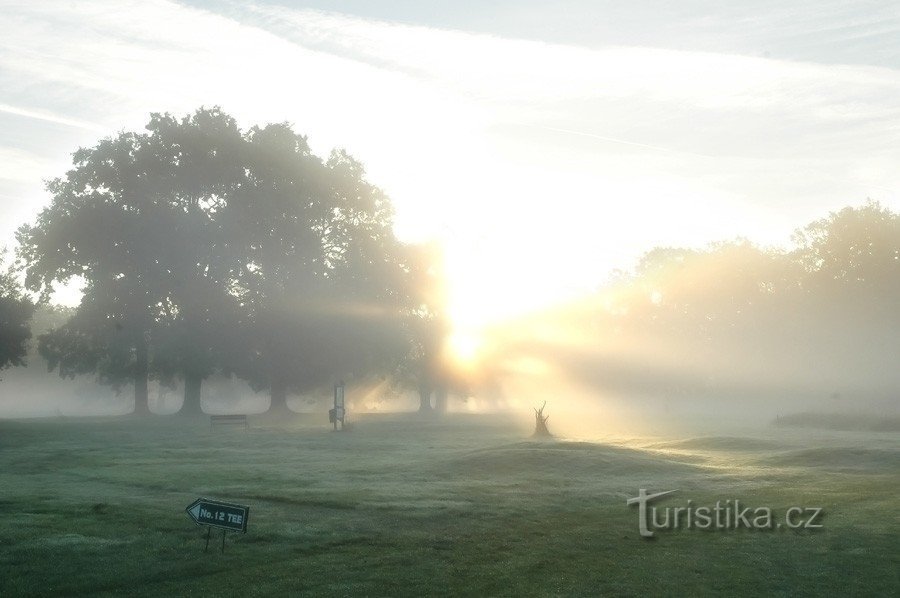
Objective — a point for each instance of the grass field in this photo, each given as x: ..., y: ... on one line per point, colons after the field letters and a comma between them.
x: 467, y: 505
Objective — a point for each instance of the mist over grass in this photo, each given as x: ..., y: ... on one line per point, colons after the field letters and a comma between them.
x: 405, y: 505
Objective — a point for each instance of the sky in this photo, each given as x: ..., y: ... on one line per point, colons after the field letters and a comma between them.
x: 545, y: 144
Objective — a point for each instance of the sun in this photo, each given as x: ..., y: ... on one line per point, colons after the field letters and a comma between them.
x: 464, y: 347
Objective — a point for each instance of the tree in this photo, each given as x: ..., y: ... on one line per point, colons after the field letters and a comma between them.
x: 205, y: 248
x: 425, y: 366
x: 540, y: 423
x: 16, y: 311
x: 198, y: 330
x: 105, y: 224
x: 139, y: 219
x: 734, y: 317
x: 854, y: 249
x: 850, y: 289
x: 320, y: 279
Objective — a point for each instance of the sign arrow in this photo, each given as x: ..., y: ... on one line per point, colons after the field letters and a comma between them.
x: 223, y: 515
x: 194, y: 511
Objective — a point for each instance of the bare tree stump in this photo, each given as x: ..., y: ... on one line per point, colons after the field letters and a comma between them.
x: 540, y: 423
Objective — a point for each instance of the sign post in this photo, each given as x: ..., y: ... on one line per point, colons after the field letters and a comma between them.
x: 337, y: 414
x: 222, y: 515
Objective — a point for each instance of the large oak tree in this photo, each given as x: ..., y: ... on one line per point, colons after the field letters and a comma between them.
x: 205, y: 248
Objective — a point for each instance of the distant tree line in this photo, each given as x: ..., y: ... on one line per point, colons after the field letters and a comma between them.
x: 820, y: 317
x: 203, y: 248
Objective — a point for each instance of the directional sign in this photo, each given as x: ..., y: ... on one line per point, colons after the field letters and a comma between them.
x: 219, y: 514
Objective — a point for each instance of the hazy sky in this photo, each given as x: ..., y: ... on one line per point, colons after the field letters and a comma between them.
x: 545, y: 143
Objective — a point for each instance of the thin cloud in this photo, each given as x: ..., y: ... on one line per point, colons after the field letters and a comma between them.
x: 52, y: 118
x: 612, y: 140
x: 729, y: 143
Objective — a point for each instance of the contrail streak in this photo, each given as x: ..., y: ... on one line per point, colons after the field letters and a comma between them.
x: 609, y: 139
x: 620, y: 141
x: 61, y: 120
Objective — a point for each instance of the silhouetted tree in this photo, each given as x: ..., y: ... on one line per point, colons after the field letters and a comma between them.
x: 540, y: 423
x: 198, y: 329
x: 850, y: 292
x: 105, y: 224
x: 138, y: 218
x: 16, y: 311
x: 424, y: 366
x: 854, y: 249
x: 205, y: 248
x: 320, y: 278
x: 737, y: 317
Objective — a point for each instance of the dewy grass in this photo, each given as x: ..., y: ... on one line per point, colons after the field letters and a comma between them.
x: 398, y: 506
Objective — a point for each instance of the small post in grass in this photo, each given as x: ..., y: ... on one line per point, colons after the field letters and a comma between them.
x: 337, y: 414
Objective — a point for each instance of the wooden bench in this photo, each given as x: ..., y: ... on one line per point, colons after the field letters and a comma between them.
x: 228, y: 420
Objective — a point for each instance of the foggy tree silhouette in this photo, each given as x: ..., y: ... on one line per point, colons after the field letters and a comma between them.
x: 104, y: 225
x: 772, y: 316
x: 540, y: 423
x: 850, y: 293
x: 321, y: 272
x: 852, y: 251
x: 754, y: 317
x: 204, y: 248
x: 198, y: 332
x: 135, y: 220
x: 737, y: 320
x: 424, y: 366
x: 16, y: 311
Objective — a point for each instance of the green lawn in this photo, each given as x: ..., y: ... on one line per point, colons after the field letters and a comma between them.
x: 462, y: 506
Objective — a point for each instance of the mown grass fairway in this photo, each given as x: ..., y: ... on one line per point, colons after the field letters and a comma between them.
x: 463, y: 506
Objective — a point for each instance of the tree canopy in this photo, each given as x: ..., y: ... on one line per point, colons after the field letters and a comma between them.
x: 818, y: 317
x: 206, y: 248
x: 16, y: 311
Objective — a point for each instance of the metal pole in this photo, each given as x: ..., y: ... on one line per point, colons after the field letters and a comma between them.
x: 208, y: 532
x: 223, y: 541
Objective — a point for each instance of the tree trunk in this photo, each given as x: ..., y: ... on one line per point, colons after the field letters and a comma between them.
x: 278, y: 398
x: 440, y: 399
x: 192, y: 386
x: 424, y: 399
x: 141, y: 395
